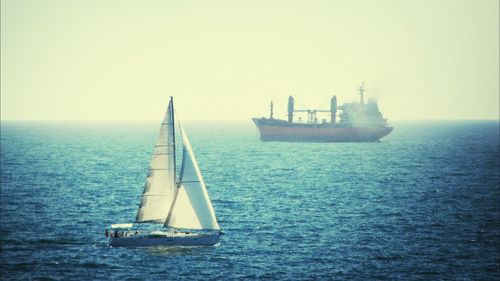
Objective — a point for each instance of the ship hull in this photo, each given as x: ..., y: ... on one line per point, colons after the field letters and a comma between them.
x: 165, y: 240
x: 271, y: 130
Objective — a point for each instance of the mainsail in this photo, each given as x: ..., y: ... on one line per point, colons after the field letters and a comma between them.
x: 160, y: 183
x: 191, y: 208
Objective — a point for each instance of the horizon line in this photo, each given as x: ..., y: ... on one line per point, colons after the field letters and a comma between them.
x: 226, y: 120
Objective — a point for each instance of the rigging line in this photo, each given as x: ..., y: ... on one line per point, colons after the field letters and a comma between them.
x: 325, y: 103
x: 299, y: 103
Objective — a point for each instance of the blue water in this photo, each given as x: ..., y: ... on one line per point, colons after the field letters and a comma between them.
x: 423, y: 204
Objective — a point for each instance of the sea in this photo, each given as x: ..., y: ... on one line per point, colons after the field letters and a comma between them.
x: 421, y: 204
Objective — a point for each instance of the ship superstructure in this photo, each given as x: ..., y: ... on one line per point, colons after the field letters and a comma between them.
x: 357, y: 121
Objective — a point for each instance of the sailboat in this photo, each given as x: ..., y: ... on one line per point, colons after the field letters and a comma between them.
x: 175, y: 210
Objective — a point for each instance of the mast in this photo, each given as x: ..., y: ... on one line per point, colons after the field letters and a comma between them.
x: 290, y: 109
x: 173, y: 134
x: 333, y: 109
x: 176, y: 184
x: 361, y: 89
x: 271, y: 115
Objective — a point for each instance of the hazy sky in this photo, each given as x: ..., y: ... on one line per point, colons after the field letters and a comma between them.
x: 225, y: 60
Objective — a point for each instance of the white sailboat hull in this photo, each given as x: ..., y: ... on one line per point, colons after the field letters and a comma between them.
x: 166, y: 240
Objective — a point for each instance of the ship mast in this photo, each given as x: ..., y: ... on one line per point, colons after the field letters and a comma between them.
x: 361, y: 89
x: 333, y: 109
x: 291, y: 109
x: 271, y: 115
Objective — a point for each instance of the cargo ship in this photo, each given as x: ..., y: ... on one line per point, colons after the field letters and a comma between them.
x: 357, y: 122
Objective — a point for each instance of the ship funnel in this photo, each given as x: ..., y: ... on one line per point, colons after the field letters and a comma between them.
x: 290, y: 109
x: 333, y: 108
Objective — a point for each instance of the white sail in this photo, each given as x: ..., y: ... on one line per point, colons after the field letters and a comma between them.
x: 160, y: 182
x: 192, y: 208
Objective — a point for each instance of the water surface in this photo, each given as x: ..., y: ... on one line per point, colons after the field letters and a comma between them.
x: 422, y: 204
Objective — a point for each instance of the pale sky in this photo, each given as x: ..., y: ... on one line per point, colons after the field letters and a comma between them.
x: 225, y: 60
